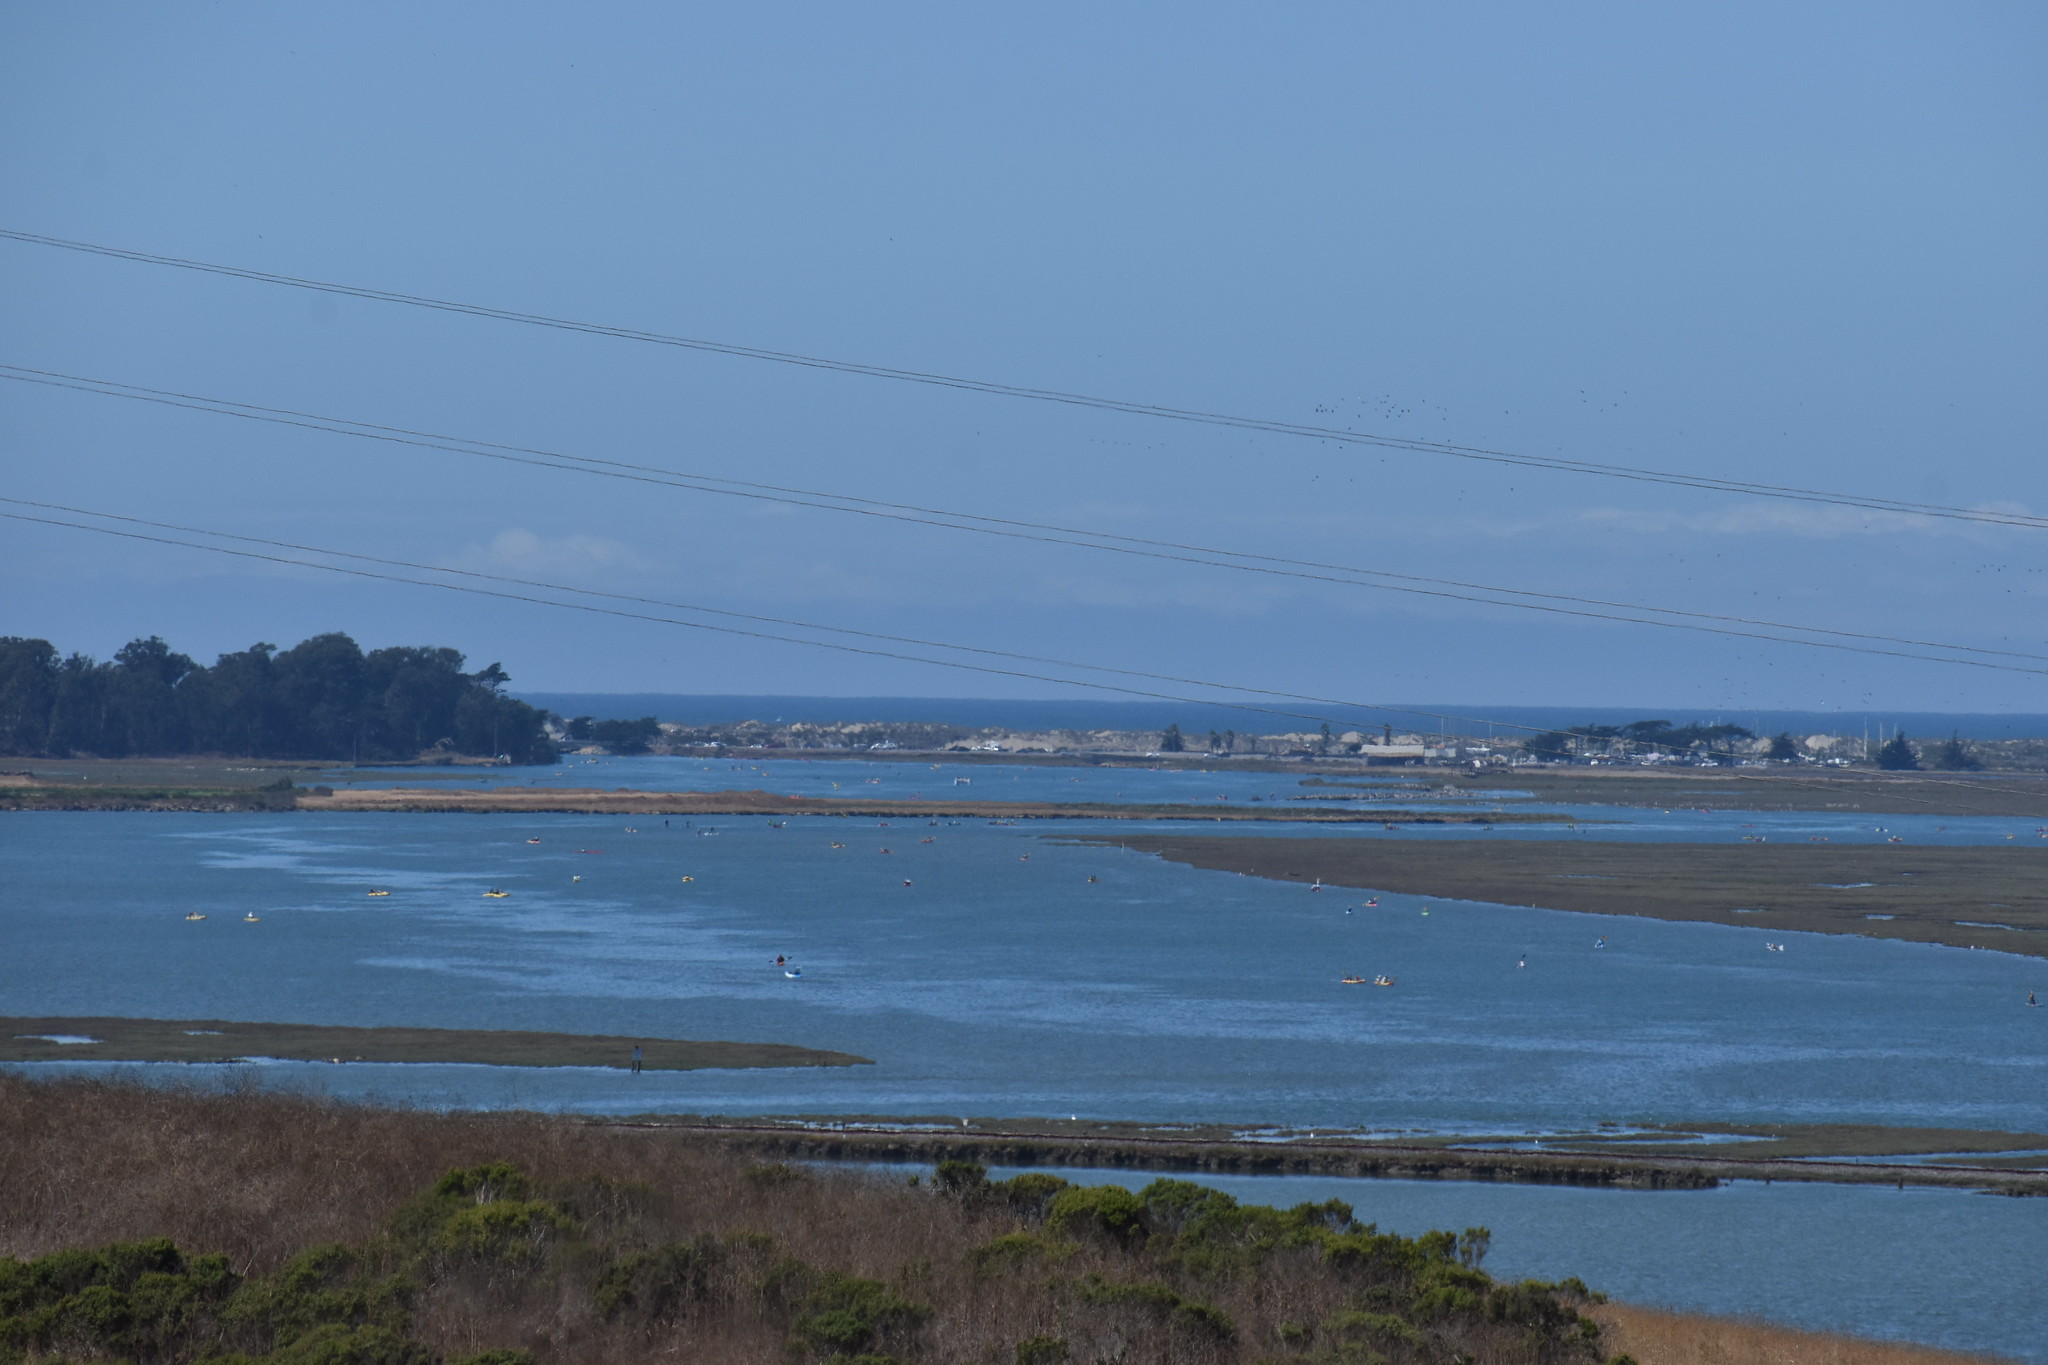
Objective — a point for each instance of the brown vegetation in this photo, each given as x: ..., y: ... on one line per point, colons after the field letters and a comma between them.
x: 581, y: 1243
x: 1817, y: 888
x: 1655, y: 1337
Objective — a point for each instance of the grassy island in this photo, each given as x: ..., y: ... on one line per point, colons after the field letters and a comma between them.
x: 1967, y: 897
x: 219, y: 1040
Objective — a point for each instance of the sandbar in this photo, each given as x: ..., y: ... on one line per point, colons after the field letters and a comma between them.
x: 216, y: 1040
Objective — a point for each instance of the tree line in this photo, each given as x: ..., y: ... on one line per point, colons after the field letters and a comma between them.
x: 322, y: 699
x: 1657, y: 736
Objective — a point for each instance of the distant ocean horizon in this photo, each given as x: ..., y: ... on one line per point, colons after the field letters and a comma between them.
x: 1090, y: 714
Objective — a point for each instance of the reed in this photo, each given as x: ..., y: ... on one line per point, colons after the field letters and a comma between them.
x: 1657, y: 1337
x: 301, y: 1231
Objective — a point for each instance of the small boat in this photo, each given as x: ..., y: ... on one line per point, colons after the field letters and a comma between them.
x: 590, y: 850
x: 689, y: 879
x: 1383, y: 980
x: 794, y: 973
x: 1354, y: 981
x: 380, y: 893
x: 496, y: 894
x: 1095, y: 879
x: 534, y: 840
x: 252, y: 918
x: 193, y: 914
x: 1372, y: 903
x: 839, y: 845
x: 575, y: 879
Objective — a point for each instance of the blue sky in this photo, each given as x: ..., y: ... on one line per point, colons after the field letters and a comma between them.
x: 1794, y: 244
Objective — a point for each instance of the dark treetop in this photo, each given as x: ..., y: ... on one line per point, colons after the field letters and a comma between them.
x: 322, y: 699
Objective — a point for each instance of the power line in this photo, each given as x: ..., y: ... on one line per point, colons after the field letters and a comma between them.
x: 1271, y: 426
x: 726, y: 630
x: 753, y: 634
x: 1013, y: 528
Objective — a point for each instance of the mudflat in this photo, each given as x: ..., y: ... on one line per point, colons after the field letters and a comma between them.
x: 626, y: 802
x: 218, y: 1040
x: 1864, y: 791
x: 1979, y: 897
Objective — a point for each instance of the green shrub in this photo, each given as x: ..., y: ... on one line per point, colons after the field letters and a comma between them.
x: 1161, y: 1302
x: 418, y: 1223
x: 847, y: 1314
x: 773, y: 1175
x: 322, y: 1286
x: 128, y: 1299
x: 1107, y: 1211
x: 961, y: 1179
x: 1010, y: 1252
x: 498, y: 1180
x: 1042, y: 1350
x: 660, y: 1283
x: 1373, y: 1329
x: 518, y: 1232
x: 1029, y: 1195
x: 337, y: 1345
x: 1445, y: 1289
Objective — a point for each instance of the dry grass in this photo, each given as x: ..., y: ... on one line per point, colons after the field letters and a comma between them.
x: 262, y: 1177
x: 1655, y: 1337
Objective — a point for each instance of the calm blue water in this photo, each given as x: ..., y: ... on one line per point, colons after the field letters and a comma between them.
x: 1004, y: 982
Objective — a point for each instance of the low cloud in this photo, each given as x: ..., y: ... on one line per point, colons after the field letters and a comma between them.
x: 1814, y: 521
x: 520, y: 551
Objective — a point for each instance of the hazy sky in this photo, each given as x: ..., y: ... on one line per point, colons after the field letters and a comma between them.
x: 1800, y: 244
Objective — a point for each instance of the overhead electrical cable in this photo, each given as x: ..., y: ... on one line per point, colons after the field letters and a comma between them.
x: 755, y: 634
x: 1558, y: 464
x: 715, y: 611
x: 1010, y: 528
x: 726, y: 630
